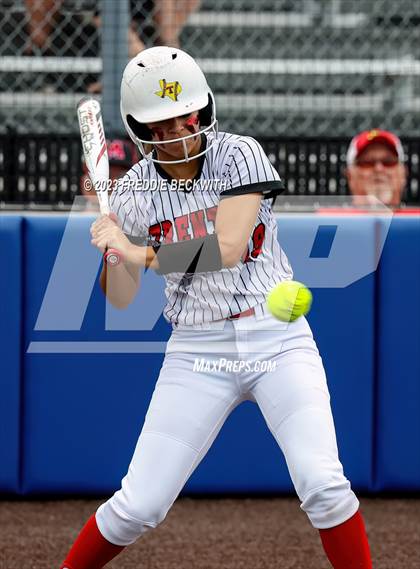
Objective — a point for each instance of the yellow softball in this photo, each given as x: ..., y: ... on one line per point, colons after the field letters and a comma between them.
x: 288, y: 300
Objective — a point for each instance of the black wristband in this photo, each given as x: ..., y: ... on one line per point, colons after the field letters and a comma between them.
x: 193, y: 256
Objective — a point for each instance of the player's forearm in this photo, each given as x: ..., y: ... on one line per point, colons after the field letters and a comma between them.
x: 119, y: 286
x: 230, y: 252
x: 143, y: 257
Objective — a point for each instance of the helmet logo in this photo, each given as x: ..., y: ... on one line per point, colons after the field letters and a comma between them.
x: 171, y: 90
x: 372, y: 134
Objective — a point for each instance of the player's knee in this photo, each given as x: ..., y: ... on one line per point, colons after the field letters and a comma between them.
x: 147, y: 511
x: 331, y: 504
x: 122, y: 522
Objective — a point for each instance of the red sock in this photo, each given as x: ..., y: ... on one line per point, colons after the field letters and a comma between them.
x: 346, y: 545
x: 90, y: 550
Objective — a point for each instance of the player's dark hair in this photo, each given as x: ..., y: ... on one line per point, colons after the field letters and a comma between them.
x: 205, y: 114
x: 139, y: 129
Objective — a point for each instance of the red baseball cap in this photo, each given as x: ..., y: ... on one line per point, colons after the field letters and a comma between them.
x: 362, y: 141
x: 120, y: 152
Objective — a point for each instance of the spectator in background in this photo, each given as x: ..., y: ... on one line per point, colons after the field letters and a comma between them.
x: 44, y: 17
x: 122, y: 154
x: 169, y: 17
x: 375, y: 168
x: 41, y: 18
x: 50, y: 33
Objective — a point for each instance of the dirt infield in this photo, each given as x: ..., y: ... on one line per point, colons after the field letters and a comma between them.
x: 209, y: 534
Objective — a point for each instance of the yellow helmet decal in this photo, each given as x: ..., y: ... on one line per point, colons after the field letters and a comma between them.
x: 171, y: 90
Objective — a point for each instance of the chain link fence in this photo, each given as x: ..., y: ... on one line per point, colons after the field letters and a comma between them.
x: 44, y: 171
x: 277, y: 67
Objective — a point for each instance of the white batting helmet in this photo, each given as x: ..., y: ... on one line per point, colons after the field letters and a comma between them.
x: 162, y: 83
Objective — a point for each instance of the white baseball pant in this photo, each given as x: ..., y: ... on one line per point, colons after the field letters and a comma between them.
x: 188, y: 408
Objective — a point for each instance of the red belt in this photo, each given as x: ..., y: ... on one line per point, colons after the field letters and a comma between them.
x: 249, y: 312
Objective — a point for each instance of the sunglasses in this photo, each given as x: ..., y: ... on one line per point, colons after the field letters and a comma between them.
x: 385, y: 162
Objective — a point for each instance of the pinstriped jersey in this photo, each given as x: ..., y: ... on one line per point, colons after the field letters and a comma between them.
x: 149, y: 203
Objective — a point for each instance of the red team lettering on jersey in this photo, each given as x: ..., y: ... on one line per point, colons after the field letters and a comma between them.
x: 194, y: 226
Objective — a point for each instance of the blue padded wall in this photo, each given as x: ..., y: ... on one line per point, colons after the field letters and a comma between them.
x: 10, y: 349
x: 342, y: 320
x: 398, y: 389
x: 83, y: 414
x: 83, y: 411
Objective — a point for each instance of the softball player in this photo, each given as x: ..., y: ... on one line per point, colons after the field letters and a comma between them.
x: 204, y: 199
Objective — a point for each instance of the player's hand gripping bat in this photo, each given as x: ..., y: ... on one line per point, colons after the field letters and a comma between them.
x: 96, y: 158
